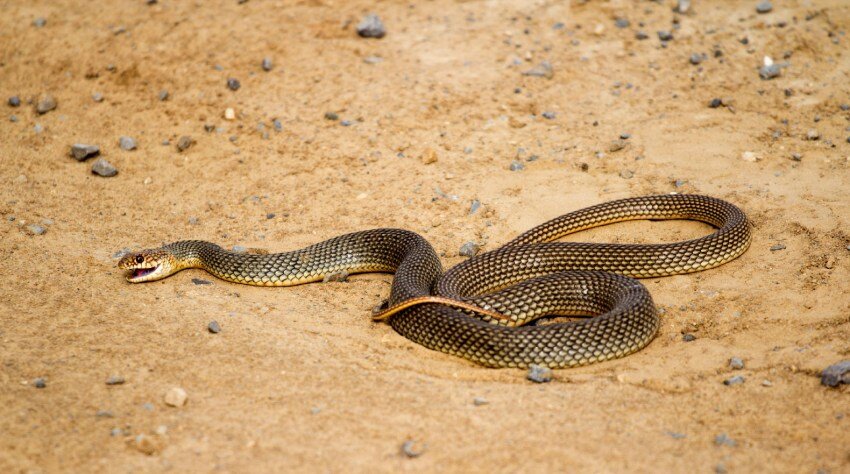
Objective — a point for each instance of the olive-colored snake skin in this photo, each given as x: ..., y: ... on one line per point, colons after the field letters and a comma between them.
x: 524, y: 280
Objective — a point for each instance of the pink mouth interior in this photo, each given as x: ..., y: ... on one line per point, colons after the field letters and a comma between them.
x: 140, y: 272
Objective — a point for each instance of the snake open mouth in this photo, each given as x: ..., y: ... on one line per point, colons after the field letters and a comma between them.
x: 141, y: 272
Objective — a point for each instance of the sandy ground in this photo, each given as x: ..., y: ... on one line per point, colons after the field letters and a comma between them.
x: 300, y: 378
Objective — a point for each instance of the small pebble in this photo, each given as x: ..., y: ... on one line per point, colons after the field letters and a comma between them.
x: 836, y: 374
x: 478, y: 401
x: 214, y: 327
x: 543, y: 69
x: 411, y: 449
x: 38, y: 128
x: 40, y: 383
x: 97, y: 97
x: 695, y: 58
x: 163, y: 95
x: 675, y: 435
x: 201, y: 281
x: 103, y: 168
x: 549, y: 115
x: 723, y: 440
x: 229, y: 114
x: 516, y: 166
x: 621, y: 23
x: 617, y: 145
x: 278, y: 126
x: 770, y: 71
x: 736, y: 363
x: 688, y: 337
x: 627, y: 174
x: 812, y: 135
x: 682, y: 6
x: 738, y: 379
x: 115, y: 380
x: 175, y: 397
x: 104, y: 414
x: 625, y: 136
x: 665, y: 35
x: 469, y: 249
x: 764, y: 7
x: 127, y: 143
x: 39, y: 22
x: 715, y: 103
x: 82, y: 152
x: 239, y: 249
x: 331, y: 116
x: 144, y: 444
x: 640, y: 35
x: 371, y: 27
x: 35, y: 229
x: 13, y: 118
x: 766, y: 383
x: 14, y: 101
x: 233, y: 84
x: 474, y: 206
x: 796, y: 157
x: 539, y: 374
x: 844, y: 107
x: 775, y: 247
x: 373, y: 59
x: 45, y: 104
x: 345, y: 123
x: 267, y: 64
x: 184, y: 143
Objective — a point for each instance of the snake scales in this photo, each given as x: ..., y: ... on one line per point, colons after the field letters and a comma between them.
x: 518, y: 283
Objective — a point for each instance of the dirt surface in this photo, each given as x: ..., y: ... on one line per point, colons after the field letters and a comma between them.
x: 435, y: 113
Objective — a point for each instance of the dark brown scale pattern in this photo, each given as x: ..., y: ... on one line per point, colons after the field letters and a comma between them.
x: 526, y: 279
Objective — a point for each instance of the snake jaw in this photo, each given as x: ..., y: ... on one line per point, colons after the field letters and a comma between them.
x: 147, y: 265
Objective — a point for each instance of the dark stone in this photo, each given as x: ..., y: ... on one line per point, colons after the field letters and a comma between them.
x: 665, y: 35
x: 736, y: 380
x: 836, y: 374
x: 331, y: 116
x: 267, y: 64
x: 233, y: 84
x: 770, y: 72
x: 115, y: 380
x: 469, y: 249
x: 548, y: 115
x: 184, y: 143
x: 200, y: 281
x: 14, y: 101
x: 764, y: 7
x: 371, y: 27
x: 104, y: 168
x: 688, y: 337
x: 214, y: 327
x: 40, y: 383
x: 82, y: 152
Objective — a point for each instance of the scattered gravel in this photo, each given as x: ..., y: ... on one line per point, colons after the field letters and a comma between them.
x: 82, y: 152
x: 836, y: 374
x: 115, y: 380
x: 175, y: 397
x: 40, y: 383
x: 267, y: 64
x: 163, y: 95
x: 775, y: 247
x: 764, y: 7
x: 45, y: 104
x: 14, y: 101
x: 233, y: 84
x: 201, y: 281
x: 539, y: 374
x: 184, y: 143
x: 543, y: 69
x: 738, y: 379
x: 723, y: 440
x: 371, y: 27
x: 35, y: 229
x: 103, y: 168
x: 516, y: 166
x: 469, y: 249
x: 412, y: 449
x: 736, y: 363
x: 214, y: 327
x: 770, y: 71
x: 127, y: 143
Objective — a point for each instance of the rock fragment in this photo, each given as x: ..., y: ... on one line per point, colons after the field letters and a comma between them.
x: 764, y: 7
x: 736, y: 363
x: 469, y: 249
x: 539, y: 374
x: 115, y: 380
x: 836, y: 374
x: 412, y: 449
x: 176, y: 397
x: 516, y: 166
x: 543, y: 69
x: 723, y: 440
x: 127, y: 143
x: 770, y: 71
x: 35, y: 229
x: 14, y: 101
x: 214, y: 327
x: 479, y: 401
x: 812, y: 135
x: 736, y: 380
x: 665, y: 35
x: 163, y: 95
x: 233, y: 84
x: 82, y: 152
x: 267, y: 64
x: 45, y: 104
x: 371, y: 26
x: 184, y: 143
x: 775, y: 247
x: 39, y: 383
x: 104, y: 168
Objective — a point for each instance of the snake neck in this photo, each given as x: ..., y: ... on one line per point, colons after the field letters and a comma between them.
x: 191, y: 253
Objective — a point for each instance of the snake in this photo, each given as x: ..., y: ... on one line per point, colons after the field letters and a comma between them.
x: 488, y: 308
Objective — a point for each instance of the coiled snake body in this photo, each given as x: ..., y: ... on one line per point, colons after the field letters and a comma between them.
x: 522, y: 281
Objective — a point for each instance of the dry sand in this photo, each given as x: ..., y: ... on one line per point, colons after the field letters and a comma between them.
x: 300, y: 378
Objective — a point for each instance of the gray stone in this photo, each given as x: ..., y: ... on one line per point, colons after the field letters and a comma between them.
x: 478, y: 401
x: 764, y: 7
x: 38, y: 128
x: 688, y: 337
x: 621, y: 22
x: 115, y: 380
x: 641, y: 35
x: 103, y: 168
x: 775, y: 247
x: 201, y: 281
x: 184, y: 143
x: 239, y: 249
x: 770, y: 71
x: 473, y: 208
x: 35, y: 229
x: 812, y: 135
x: 127, y: 143
x: 736, y: 363
x: 682, y: 6
x: 39, y: 22
x: 104, y: 414
x: 676, y: 435
x: 45, y: 104
x: 233, y: 84
x: 548, y: 115
x: 736, y: 380
x: 836, y: 374
x: 371, y: 27
x: 13, y: 118
x: 14, y: 101
x: 214, y: 327
x: 411, y: 449
x: 665, y: 35
x: 163, y: 95
x: 469, y: 249
x: 40, y: 382
x: 373, y: 59
x: 543, y: 69
x: 796, y: 157
x: 723, y: 440
x: 97, y: 97
x: 695, y: 58
x: 278, y: 126
x: 517, y: 166
x: 82, y: 152
x: 539, y: 374
x: 267, y: 64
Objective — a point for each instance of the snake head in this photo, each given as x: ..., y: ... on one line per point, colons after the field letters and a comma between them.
x: 148, y: 265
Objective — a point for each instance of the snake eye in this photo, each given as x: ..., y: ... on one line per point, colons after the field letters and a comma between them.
x: 140, y: 259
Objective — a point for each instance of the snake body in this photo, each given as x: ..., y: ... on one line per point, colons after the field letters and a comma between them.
x: 524, y: 280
